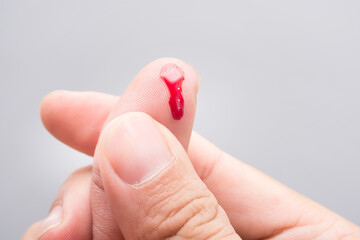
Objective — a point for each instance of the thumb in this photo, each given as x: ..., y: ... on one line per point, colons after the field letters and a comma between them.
x: 153, y: 190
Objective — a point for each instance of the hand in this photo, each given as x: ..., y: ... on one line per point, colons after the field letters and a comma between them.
x: 174, y: 199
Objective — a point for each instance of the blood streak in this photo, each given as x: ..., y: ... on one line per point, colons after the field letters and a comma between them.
x: 173, y: 76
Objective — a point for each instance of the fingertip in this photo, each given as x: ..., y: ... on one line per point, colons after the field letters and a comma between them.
x: 76, y: 118
x: 48, y: 105
x: 192, y: 80
x: 60, y: 112
x: 152, y: 93
x: 191, y: 73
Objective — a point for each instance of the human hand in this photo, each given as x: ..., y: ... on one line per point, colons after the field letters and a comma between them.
x: 258, y: 207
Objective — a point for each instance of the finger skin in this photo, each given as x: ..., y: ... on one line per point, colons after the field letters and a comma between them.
x: 54, y: 104
x: 32, y: 231
x: 255, y: 209
x: 147, y: 93
x: 174, y: 203
x: 75, y: 201
x: 261, y: 207
x: 61, y: 121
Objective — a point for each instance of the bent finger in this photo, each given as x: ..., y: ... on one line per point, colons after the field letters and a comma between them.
x: 70, y: 214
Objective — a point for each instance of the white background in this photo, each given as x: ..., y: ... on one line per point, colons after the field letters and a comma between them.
x: 280, y: 87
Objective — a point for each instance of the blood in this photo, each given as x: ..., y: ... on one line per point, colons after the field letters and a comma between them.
x: 173, y: 76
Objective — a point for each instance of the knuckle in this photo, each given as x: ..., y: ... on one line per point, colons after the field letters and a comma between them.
x: 72, y: 182
x: 76, y: 178
x: 84, y: 172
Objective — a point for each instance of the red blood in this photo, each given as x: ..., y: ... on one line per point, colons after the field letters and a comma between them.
x: 173, y: 76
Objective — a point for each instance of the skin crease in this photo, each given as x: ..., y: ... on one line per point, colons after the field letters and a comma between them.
x: 260, y: 207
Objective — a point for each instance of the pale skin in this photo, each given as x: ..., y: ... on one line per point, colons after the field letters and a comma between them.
x: 203, y: 193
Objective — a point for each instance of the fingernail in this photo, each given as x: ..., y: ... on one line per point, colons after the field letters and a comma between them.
x: 53, y: 220
x: 136, y: 149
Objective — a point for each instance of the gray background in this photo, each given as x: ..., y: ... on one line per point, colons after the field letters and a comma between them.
x: 280, y: 87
